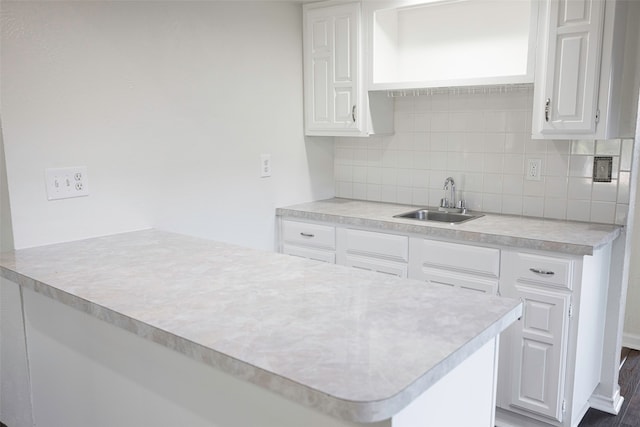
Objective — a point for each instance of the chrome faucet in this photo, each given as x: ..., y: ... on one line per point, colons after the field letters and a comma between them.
x: 451, y: 202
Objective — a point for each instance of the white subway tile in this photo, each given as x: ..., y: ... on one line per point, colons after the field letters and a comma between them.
x: 440, y: 102
x: 343, y: 172
x: 343, y: 155
x: 360, y: 191
x: 603, y: 212
x: 404, y: 104
x: 626, y: 155
x: 403, y: 121
x: 422, y: 141
x: 405, y: 178
x: 388, y: 193
x: 436, y: 179
x: 493, y: 162
x: 472, y: 200
x: 360, y: 174
x: 514, y: 143
x: 492, y: 203
x: 622, y: 212
x: 513, y: 164
x: 389, y: 158
x: 492, y: 184
x: 581, y: 166
x: 556, y: 165
x: 439, y: 122
x: 495, y: 121
x: 533, y: 188
x: 512, y: 205
x: 556, y: 187
x: 608, y: 147
x: 455, y: 161
x: 456, y: 141
x: 421, y: 160
x: 535, y: 146
x: 439, y: 141
x: 420, y: 196
x: 344, y: 189
x: 374, y: 158
x: 516, y: 121
x: 389, y: 176
x: 580, y: 188
x: 587, y: 147
x: 374, y: 192
x: 422, y: 103
x: 360, y: 156
x: 469, y: 182
x: 555, y: 208
x: 558, y: 147
x: 405, y: 159
x: 578, y: 210
x: 457, y: 121
x: 404, y: 195
x: 473, y: 162
x: 513, y: 185
x: 533, y: 206
x: 624, y: 185
x: 494, y: 142
x: 403, y: 141
x: 420, y: 178
x: 422, y: 122
x: 438, y: 160
x: 604, y: 191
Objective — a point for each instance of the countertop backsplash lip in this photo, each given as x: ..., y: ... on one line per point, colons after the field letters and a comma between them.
x: 546, y: 234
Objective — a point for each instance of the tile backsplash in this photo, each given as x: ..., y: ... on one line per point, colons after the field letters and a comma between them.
x: 483, y: 141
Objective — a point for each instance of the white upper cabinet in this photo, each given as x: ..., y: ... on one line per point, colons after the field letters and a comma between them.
x: 583, y: 66
x: 569, y: 67
x: 444, y: 43
x: 336, y: 103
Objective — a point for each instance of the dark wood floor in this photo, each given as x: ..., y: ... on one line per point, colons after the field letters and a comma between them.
x: 629, y: 415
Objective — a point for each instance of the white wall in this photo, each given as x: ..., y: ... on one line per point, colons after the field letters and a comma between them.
x: 6, y: 233
x: 169, y: 105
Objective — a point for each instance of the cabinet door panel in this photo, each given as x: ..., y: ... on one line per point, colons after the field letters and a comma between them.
x: 538, y: 351
x: 566, y: 99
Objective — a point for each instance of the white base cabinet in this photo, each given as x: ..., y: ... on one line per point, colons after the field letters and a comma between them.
x: 551, y: 359
x: 308, y: 240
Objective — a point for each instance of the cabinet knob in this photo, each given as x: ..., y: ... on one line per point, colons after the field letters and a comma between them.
x: 547, y: 109
x: 541, y: 271
x: 353, y: 113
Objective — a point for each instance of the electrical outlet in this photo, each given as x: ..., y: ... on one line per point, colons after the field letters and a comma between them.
x: 265, y: 165
x: 64, y: 183
x: 534, y: 167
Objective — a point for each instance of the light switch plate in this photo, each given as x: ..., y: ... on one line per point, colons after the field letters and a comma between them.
x: 64, y: 183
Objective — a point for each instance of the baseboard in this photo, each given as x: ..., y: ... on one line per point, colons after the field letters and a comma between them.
x: 631, y: 340
x: 608, y: 404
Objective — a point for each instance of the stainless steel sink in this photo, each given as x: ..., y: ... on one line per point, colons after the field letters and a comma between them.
x: 438, y: 216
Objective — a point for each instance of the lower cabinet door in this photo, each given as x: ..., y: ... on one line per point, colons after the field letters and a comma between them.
x: 538, y: 352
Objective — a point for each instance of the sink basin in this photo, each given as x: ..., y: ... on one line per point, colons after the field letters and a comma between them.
x: 438, y: 216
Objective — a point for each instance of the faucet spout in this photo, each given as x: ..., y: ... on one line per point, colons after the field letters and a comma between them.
x: 451, y: 185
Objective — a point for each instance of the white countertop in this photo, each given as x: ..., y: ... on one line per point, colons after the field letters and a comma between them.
x: 570, y: 237
x: 356, y: 345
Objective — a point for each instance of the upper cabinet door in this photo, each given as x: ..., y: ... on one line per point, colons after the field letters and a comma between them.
x: 331, y: 60
x: 568, y: 72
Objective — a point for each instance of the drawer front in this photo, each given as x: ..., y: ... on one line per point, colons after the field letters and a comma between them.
x: 458, y: 257
x: 308, y: 234
x: 373, y: 244
x: 310, y: 253
x: 543, y: 269
x: 379, y: 266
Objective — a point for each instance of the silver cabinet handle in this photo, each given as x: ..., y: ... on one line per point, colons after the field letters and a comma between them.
x: 541, y: 271
x: 547, y: 109
x: 307, y: 234
x: 353, y: 113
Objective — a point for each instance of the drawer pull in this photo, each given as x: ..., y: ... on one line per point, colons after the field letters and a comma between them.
x: 541, y: 271
x: 307, y: 234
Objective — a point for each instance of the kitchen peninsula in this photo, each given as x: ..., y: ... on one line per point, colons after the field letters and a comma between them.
x: 156, y: 328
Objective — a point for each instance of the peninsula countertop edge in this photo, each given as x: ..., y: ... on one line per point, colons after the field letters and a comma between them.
x: 121, y: 279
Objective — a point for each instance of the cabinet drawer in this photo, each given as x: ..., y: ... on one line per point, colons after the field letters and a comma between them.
x: 307, y: 234
x: 373, y: 244
x: 543, y: 269
x: 310, y: 253
x: 457, y: 257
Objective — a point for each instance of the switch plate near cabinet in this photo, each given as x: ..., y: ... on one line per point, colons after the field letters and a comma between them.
x: 533, y: 171
x: 64, y: 183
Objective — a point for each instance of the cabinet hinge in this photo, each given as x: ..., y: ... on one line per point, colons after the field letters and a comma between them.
x: 570, y: 310
x: 598, y: 115
x: 564, y: 405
